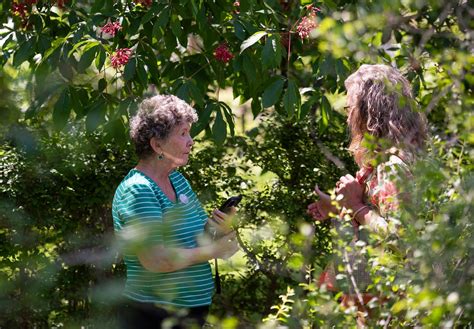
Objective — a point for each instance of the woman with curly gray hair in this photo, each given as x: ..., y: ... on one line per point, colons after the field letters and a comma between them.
x: 381, y: 113
x: 159, y: 219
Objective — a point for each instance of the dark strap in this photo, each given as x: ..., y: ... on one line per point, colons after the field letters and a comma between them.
x: 217, y: 278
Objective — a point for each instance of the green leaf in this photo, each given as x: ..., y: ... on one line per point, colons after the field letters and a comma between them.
x: 239, y: 30
x: 250, y: 71
x: 252, y: 40
x: 219, y: 130
x: 325, y: 114
x: 97, y: 5
x: 101, y: 85
x: 176, y: 27
x: 37, y: 22
x: 96, y: 115
x: 24, y: 52
x: 79, y: 101
x: 195, y: 94
x: 129, y: 70
x: 124, y: 107
x: 256, y: 107
x: 142, y: 73
x: 292, y: 99
x: 163, y: 17
x: 66, y: 70
x: 86, y: 59
x: 183, y: 92
x: 271, y: 53
x: 272, y: 93
x: 150, y: 14
x: 151, y: 62
x: 229, y: 117
x: 204, y: 118
x: 62, y: 110
x: 100, y: 58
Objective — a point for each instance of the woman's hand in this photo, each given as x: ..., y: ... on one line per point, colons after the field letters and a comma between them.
x: 320, y: 209
x: 350, y: 192
x: 226, y: 246
x: 222, y: 222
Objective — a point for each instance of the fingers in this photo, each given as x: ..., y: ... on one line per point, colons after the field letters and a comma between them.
x: 315, y: 211
x: 317, y: 190
x: 222, y: 215
x: 219, y: 216
x: 312, y: 206
x: 345, y: 179
x: 343, y: 182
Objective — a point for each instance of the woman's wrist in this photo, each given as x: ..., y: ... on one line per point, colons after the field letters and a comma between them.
x: 359, y: 210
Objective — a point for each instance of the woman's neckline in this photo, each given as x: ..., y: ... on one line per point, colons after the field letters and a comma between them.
x: 175, y: 201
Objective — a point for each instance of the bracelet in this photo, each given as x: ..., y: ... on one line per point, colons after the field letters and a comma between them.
x: 358, y: 211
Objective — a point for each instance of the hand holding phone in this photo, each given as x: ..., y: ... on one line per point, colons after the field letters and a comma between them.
x: 220, y: 224
x: 230, y: 202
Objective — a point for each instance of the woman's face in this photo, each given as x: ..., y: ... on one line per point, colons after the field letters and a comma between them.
x: 177, y: 146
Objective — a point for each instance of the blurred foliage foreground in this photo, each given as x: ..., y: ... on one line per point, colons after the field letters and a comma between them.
x: 59, y: 266
x: 66, y: 100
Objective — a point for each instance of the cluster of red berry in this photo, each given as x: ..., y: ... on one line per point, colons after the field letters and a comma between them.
x: 120, y: 57
x: 21, y: 8
x: 146, y: 3
x: 111, y: 28
x: 222, y: 53
x: 308, y: 22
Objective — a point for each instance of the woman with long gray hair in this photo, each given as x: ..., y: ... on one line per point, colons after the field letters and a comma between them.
x: 387, y: 134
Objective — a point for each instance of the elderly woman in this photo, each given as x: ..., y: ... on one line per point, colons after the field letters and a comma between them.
x: 381, y: 111
x: 159, y: 218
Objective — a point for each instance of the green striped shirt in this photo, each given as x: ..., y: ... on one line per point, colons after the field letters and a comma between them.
x: 144, y: 216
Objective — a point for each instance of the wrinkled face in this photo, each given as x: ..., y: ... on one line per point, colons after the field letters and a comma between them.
x: 177, y: 146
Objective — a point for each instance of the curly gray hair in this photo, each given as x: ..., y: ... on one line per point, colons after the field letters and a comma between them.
x: 381, y: 104
x: 156, y: 117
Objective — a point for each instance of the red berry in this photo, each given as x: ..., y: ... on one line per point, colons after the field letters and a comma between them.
x: 19, y: 9
x: 307, y: 24
x: 60, y: 3
x: 222, y: 53
x: 120, y: 57
x: 237, y: 7
x: 146, y: 3
x: 111, y: 28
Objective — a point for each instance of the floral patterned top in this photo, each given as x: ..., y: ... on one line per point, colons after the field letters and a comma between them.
x: 381, y: 191
x: 383, y: 196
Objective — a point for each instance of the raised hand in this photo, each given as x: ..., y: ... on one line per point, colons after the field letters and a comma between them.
x: 350, y: 192
x: 320, y: 209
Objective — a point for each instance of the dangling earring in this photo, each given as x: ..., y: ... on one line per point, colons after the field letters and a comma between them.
x: 160, y: 156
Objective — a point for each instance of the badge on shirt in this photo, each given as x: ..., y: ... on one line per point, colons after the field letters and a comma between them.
x: 183, y: 198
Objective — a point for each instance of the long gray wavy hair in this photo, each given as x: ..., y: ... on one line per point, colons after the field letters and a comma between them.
x: 381, y: 104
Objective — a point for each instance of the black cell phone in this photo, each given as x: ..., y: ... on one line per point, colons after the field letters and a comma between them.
x: 230, y: 202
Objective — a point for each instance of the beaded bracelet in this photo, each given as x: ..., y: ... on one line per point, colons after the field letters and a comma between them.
x: 358, y: 211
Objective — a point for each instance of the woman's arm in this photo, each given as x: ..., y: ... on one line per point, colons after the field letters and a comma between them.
x: 163, y: 259
x: 370, y: 218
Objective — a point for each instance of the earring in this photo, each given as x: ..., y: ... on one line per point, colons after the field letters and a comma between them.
x: 160, y: 156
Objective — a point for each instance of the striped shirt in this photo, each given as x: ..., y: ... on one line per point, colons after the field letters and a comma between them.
x: 144, y: 216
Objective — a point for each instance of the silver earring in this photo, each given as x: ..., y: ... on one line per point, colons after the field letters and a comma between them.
x: 160, y: 156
